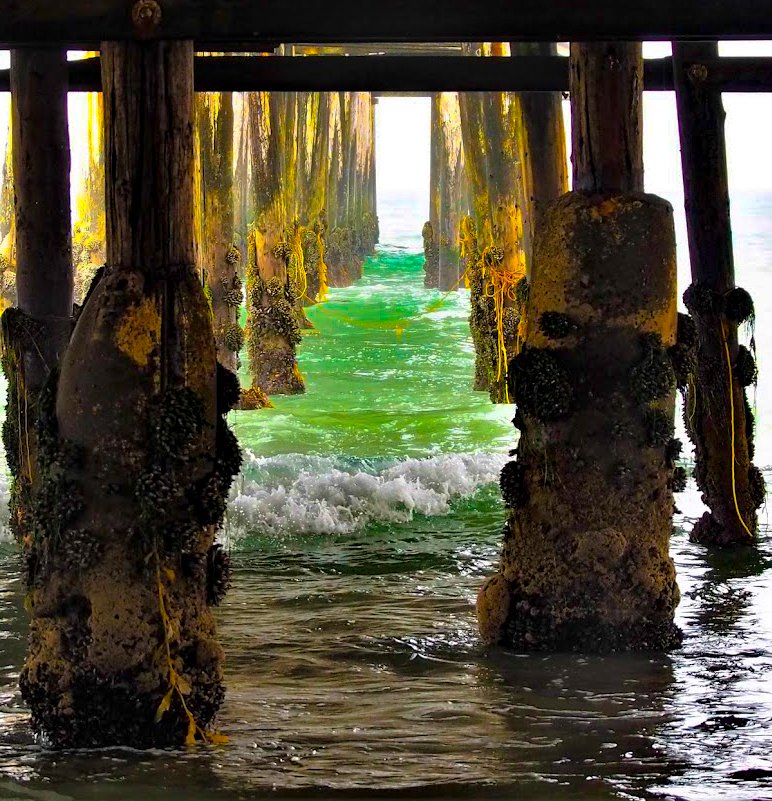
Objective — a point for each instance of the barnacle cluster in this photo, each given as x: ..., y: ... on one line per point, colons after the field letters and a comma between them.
x: 340, y: 247
x: 745, y: 371
x: 233, y: 338
x: 658, y: 426
x: 540, y: 385
x: 218, y: 574
x: 738, y: 305
x: 750, y: 427
x: 653, y: 377
x: 233, y: 255
x: 522, y: 291
x: 431, y: 254
x: 232, y: 292
x: 228, y: 456
x: 79, y: 549
x: 756, y: 486
x: 683, y: 355
x: 701, y: 300
x: 176, y: 420
x: 556, y: 325
x: 514, y: 489
x: 43, y: 513
x: 228, y: 390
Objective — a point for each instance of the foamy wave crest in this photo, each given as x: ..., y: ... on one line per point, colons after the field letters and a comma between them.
x: 295, y: 494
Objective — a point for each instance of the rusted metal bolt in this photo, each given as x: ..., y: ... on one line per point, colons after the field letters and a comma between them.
x: 698, y: 73
x: 146, y: 15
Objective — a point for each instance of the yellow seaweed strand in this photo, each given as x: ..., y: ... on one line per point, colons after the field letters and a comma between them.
x: 178, y: 685
x: 323, y: 288
x: 731, y: 418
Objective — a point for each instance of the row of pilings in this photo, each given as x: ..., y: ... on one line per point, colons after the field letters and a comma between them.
x: 116, y: 432
x: 285, y: 209
x: 498, y: 163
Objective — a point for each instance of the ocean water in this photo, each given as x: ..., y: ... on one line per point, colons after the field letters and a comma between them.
x: 365, y: 520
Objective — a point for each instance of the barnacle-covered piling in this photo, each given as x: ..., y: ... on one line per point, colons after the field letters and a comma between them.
x: 494, y: 242
x: 123, y: 647
x: 719, y: 420
x: 585, y: 563
x: 448, y: 195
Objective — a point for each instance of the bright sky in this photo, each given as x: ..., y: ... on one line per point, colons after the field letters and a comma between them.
x: 402, y: 129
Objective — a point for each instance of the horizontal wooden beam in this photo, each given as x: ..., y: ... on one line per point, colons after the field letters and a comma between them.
x: 422, y: 74
x: 239, y: 24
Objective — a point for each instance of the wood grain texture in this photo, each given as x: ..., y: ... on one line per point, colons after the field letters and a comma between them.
x: 149, y: 154
x: 607, y: 116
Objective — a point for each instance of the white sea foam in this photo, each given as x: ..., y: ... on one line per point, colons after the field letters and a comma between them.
x: 296, y: 494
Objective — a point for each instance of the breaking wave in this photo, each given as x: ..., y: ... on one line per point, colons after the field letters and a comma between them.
x: 294, y: 494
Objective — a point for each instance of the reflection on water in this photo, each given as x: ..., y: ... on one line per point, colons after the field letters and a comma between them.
x: 363, y: 526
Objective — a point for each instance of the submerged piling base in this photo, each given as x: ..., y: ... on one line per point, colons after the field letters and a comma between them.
x: 123, y: 649
x: 585, y: 562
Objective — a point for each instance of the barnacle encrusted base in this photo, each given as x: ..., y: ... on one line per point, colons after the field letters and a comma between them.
x: 585, y: 564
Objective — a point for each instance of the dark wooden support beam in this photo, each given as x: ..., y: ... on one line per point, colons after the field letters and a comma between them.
x: 721, y: 422
x: 607, y: 115
x: 419, y: 74
x: 245, y: 23
x: 41, y: 169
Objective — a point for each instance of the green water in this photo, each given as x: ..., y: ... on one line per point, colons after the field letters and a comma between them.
x: 388, y: 429
x: 388, y: 370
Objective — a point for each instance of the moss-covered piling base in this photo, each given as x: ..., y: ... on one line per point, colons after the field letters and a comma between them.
x: 347, y: 248
x: 136, y: 463
x: 273, y: 315
x: 585, y: 562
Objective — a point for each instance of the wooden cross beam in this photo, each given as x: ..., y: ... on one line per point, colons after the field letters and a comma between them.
x: 243, y: 24
x: 423, y: 74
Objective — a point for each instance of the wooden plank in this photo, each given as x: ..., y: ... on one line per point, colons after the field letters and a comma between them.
x: 243, y: 23
x: 420, y: 74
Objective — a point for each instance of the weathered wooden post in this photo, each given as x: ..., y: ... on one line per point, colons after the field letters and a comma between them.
x: 218, y: 254
x: 36, y: 332
x: 447, y: 194
x: 544, y: 157
x: 585, y: 562
x: 273, y: 291
x: 719, y: 419
x: 123, y: 648
x: 493, y: 241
